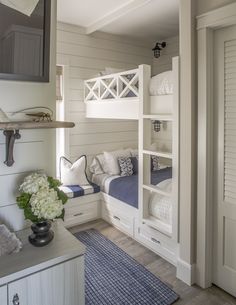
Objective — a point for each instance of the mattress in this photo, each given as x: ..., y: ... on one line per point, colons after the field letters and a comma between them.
x: 126, y: 188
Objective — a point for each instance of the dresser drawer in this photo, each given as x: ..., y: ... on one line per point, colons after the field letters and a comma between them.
x: 157, y: 242
x: 76, y: 214
x: 118, y: 219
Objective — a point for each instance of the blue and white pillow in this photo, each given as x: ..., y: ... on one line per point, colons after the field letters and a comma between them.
x: 126, y: 166
x: 155, y: 163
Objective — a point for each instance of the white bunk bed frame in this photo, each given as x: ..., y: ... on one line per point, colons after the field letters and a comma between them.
x: 106, y: 97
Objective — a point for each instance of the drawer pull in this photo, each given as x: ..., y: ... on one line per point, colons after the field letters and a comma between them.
x: 16, y: 300
x: 155, y: 241
x: 78, y: 214
x: 116, y: 217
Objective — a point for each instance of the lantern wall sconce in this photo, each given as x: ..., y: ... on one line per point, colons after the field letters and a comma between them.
x: 157, y: 125
x: 157, y: 49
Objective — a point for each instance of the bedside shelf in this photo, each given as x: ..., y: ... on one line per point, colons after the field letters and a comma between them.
x: 158, y: 117
x: 162, y: 154
x: 155, y: 189
x: 11, y: 131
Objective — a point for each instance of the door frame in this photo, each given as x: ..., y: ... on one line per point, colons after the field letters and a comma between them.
x: 206, y: 25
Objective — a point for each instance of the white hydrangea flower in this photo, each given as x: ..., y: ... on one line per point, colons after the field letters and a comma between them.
x: 46, y: 205
x: 33, y: 183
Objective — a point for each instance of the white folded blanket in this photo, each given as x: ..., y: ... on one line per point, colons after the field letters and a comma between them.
x: 161, y: 206
x: 162, y: 84
x: 9, y: 243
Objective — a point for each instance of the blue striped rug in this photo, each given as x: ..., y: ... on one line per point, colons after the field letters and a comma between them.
x: 112, y: 277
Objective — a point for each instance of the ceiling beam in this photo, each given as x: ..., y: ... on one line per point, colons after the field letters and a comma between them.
x: 115, y: 14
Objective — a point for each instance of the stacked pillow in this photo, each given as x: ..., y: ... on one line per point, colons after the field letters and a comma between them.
x: 119, y: 162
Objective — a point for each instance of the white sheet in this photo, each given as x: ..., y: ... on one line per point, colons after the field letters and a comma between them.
x: 161, y: 206
x: 162, y: 84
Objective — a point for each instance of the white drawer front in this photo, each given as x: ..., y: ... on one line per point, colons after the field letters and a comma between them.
x: 121, y: 221
x: 77, y: 214
x: 3, y: 295
x: 157, y: 242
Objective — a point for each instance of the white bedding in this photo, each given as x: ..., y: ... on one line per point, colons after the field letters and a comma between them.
x: 161, y: 84
x: 161, y: 206
x: 104, y: 180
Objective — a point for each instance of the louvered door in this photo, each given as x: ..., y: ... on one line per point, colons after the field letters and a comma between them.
x: 224, y: 254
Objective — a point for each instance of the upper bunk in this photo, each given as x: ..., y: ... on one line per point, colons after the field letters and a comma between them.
x: 128, y: 94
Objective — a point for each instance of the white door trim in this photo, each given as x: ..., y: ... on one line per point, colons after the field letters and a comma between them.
x: 206, y: 24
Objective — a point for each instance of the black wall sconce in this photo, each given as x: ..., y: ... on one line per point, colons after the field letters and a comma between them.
x: 157, y: 125
x: 157, y: 49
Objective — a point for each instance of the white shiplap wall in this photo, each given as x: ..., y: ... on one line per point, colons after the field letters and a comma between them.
x: 164, y: 62
x: 84, y: 56
x: 35, y: 150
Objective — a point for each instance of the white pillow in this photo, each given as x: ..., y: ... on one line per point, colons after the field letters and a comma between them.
x: 73, y: 174
x: 96, y: 167
x: 134, y: 152
x: 102, y: 161
x: 109, y: 71
x: 111, y: 159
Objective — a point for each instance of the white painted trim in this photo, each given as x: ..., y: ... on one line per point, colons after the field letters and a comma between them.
x: 218, y: 18
x: 186, y: 272
x: 206, y: 24
x: 115, y: 14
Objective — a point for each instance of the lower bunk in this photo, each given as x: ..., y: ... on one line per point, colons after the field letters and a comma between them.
x: 119, y: 200
x: 115, y: 199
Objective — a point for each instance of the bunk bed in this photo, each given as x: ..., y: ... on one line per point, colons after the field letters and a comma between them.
x: 135, y: 95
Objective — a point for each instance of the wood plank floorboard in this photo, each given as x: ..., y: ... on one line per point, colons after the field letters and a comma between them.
x: 165, y: 271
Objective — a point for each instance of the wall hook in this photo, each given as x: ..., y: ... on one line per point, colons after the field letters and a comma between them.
x: 11, y: 136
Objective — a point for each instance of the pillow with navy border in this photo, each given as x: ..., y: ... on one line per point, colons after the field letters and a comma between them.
x: 74, y: 173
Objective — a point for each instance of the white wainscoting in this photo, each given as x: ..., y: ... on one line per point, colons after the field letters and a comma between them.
x: 85, y: 56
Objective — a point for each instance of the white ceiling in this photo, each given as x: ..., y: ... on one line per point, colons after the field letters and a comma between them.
x: 143, y: 19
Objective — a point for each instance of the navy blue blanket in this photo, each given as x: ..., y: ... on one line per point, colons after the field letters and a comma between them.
x: 126, y: 188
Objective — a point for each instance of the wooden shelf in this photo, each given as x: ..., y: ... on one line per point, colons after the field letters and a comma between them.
x: 158, y: 117
x: 158, y: 225
x: 158, y: 153
x: 155, y: 189
x: 34, y: 125
x: 11, y: 130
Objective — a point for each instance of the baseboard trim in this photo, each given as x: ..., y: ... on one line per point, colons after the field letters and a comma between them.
x: 186, y: 272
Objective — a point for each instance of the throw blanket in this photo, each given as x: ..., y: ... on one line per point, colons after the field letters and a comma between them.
x: 9, y: 243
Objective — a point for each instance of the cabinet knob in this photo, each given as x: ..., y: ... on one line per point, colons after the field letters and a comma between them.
x: 16, y: 300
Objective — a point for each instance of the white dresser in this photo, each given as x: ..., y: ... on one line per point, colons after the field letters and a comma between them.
x: 51, y: 275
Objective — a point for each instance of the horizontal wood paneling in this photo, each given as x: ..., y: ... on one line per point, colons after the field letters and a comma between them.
x: 36, y: 149
x: 164, y: 62
x: 85, y: 56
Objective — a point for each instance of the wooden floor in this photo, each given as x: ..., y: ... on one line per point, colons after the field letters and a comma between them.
x: 161, y: 268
